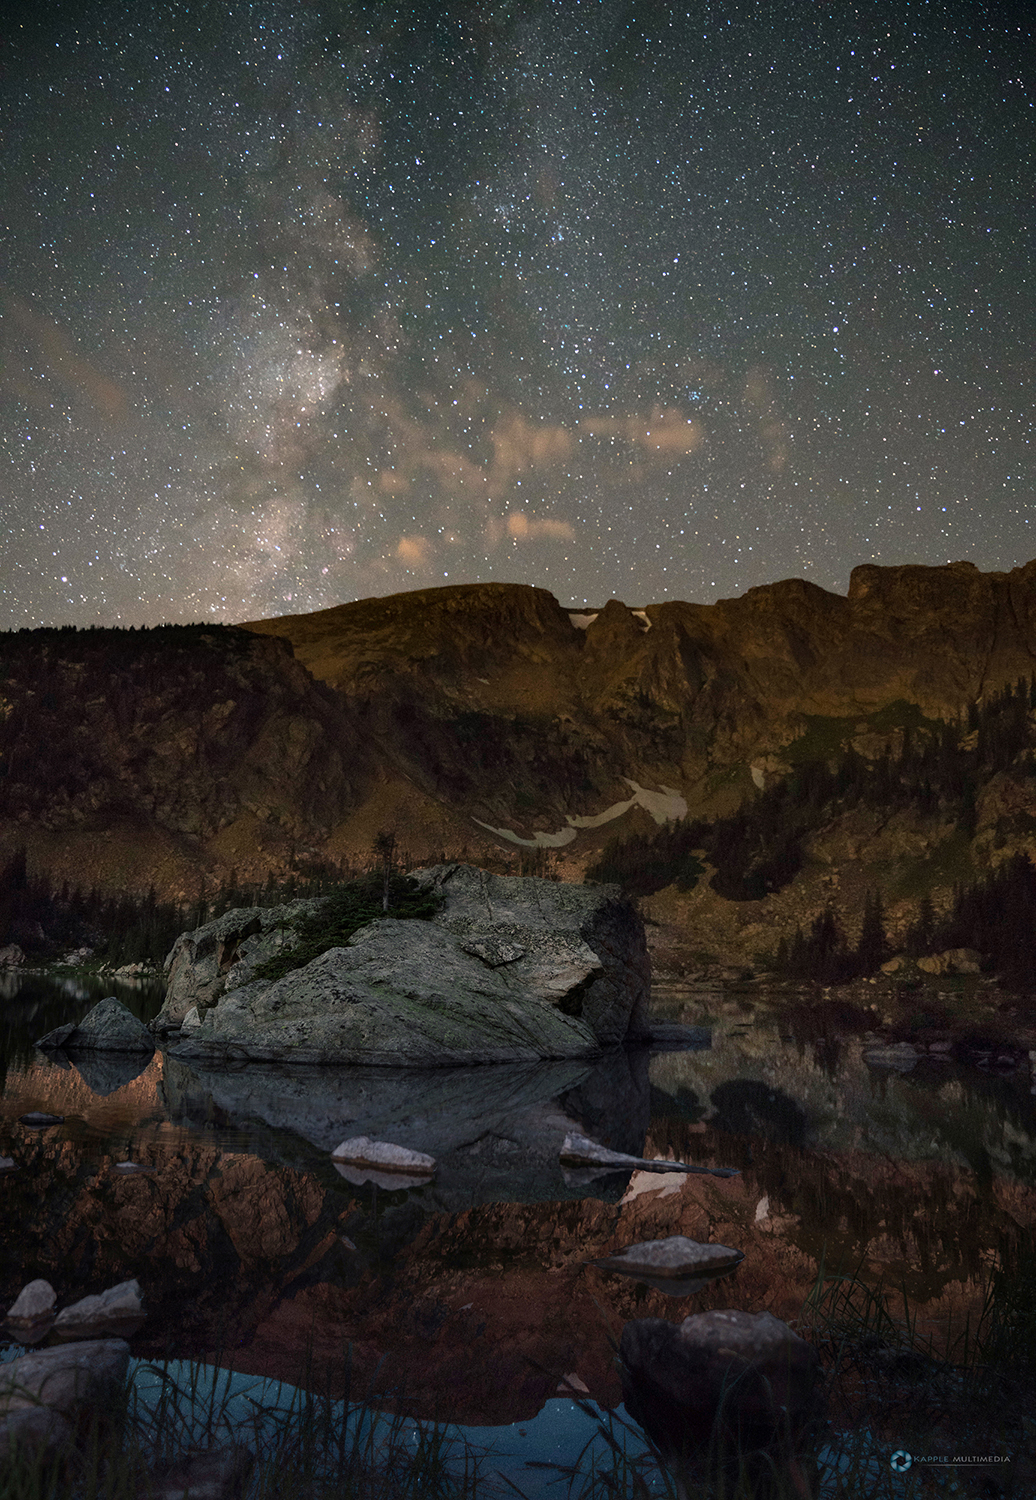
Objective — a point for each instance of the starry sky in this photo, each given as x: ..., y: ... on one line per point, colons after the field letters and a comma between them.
x: 304, y: 303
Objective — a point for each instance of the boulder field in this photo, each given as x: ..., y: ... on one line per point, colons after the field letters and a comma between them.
x: 509, y: 969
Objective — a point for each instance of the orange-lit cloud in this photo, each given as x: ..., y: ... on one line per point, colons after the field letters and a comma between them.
x: 524, y: 527
x: 414, y: 550
x: 391, y: 482
x: 62, y: 363
x: 667, y: 431
x: 518, y: 445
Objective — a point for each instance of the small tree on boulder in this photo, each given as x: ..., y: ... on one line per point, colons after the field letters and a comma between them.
x: 385, y: 850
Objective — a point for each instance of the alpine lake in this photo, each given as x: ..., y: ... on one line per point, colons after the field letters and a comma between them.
x: 475, y: 1294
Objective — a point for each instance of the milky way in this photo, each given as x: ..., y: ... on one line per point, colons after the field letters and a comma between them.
x: 621, y: 298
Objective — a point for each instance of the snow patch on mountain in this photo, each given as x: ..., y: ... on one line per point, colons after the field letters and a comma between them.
x: 664, y: 805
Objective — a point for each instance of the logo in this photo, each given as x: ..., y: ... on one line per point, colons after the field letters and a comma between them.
x: 900, y: 1461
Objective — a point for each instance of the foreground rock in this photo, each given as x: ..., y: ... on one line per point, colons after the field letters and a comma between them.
x: 32, y: 1308
x: 40, y: 1391
x: 734, y: 1386
x: 118, y: 1312
x: 510, y: 969
x: 220, y: 1474
x: 109, y: 1027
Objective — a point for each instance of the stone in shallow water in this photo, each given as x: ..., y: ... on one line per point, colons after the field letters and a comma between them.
x: 110, y: 1027
x: 361, y: 1151
x: 64, y: 1377
x: 34, y: 1302
x: 116, y: 1312
x: 580, y: 1151
x: 675, y: 1257
x: 745, y: 1380
x: 899, y: 1057
x: 220, y: 1474
x: 33, y: 1430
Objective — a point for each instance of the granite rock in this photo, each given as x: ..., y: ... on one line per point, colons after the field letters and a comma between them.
x: 511, y: 969
x: 109, y: 1027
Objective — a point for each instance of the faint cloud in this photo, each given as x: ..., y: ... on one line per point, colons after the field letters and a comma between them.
x: 667, y: 431
x: 524, y: 528
x: 415, y: 551
x: 518, y: 445
x: 61, y: 361
x: 390, y: 482
x: 761, y: 404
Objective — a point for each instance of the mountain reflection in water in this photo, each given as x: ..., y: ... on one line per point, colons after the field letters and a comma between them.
x: 473, y: 1291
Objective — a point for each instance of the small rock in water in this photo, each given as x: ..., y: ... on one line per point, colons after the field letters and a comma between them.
x: 899, y: 1057
x: 64, y: 1378
x: 34, y: 1302
x: 109, y: 1027
x: 675, y: 1257
x: 361, y: 1151
x: 114, y: 1313
x: 580, y: 1151
x: 723, y: 1380
x: 38, y: 1119
x: 220, y: 1474
x: 33, y: 1429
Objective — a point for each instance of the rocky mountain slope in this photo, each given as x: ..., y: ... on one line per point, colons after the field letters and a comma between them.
x: 487, y: 721
x: 161, y: 756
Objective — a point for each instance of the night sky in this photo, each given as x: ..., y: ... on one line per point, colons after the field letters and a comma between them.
x: 303, y: 304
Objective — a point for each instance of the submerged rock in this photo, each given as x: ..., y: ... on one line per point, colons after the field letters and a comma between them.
x: 109, y: 1027
x: 510, y: 969
x: 898, y: 1057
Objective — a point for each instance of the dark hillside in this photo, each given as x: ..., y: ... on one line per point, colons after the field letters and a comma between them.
x: 179, y: 737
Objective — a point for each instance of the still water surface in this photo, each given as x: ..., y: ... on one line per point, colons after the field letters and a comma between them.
x: 251, y: 1245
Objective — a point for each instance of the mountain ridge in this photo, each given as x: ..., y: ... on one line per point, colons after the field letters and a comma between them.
x: 487, y: 720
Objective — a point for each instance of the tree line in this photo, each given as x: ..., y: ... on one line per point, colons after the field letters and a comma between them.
x: 47, y: 920
x: 995, y: 915
x: 939, y: 767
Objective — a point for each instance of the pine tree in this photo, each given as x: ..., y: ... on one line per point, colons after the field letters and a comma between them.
x: 872, y: 949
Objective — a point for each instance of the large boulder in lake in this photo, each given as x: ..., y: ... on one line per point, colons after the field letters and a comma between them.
x: 109, y: 1027
x: 510, y: 969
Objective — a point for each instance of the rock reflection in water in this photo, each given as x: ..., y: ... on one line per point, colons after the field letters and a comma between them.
x: 495, y: 1131
x: 105, y: 1073
x: 474, y: 1291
